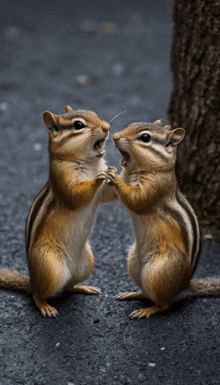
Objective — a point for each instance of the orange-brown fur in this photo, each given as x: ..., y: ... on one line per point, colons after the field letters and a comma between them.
x: 165, y: 226
x: 61, y: 217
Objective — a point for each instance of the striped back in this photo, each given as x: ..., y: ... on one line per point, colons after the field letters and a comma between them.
x: 37, y: 214
x: 189, y: 224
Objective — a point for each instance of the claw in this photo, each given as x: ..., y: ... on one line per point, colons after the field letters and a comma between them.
x: 45, y: 309
x: 48, y: 311
x: 111, y: 168
x: 85, y: 289
x: 129, y: 295
x: 102, y: 175
x: 147, y: 312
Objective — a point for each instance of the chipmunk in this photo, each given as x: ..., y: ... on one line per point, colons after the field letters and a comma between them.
x: 167, y: 238
x: 61, y: 217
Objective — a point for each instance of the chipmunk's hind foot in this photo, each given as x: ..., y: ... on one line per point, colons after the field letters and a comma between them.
x: 45, y: 309
x: 147, y: 312
x: 130, y: 296
x: 84, y: 289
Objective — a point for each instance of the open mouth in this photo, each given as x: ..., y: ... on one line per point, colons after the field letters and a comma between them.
x: 125, y: 158
x: 98, y: 147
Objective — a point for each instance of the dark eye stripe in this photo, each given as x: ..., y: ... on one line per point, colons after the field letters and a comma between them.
x: 158, y: 153
x: 77, y: 125
x: 66, y: 138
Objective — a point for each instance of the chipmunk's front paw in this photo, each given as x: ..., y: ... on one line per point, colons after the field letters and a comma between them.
x: 112, y: 168
x: 112, y: 175
x: 101, y: 176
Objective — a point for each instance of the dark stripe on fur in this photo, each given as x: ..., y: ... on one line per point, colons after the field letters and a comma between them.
x: 67, y: 137
x: 158, y: 153
x: 47, y: 209
x: 37, y: 204
x: 183, y: 226
x: 193, y: 221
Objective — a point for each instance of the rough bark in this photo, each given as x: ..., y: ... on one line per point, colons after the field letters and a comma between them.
x: 195, y: 103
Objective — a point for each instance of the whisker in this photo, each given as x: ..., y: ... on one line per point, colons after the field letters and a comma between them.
x: 117, y: 116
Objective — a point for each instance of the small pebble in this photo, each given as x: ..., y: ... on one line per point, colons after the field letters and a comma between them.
x: 118, y: 69
x: 37, y: 146
x: 82, y: 80
x: 108, y: 27
x: 12, y: 32
x: 3, y: 106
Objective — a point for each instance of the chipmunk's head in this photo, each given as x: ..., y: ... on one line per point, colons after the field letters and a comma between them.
x: 148, y: 146
x: 77, y: 135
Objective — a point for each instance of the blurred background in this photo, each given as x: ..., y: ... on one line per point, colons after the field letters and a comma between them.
x: 109, y: 57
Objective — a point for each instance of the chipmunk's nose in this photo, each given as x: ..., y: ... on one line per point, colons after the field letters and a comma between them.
x: 116, y: 136
x: 105, y: 126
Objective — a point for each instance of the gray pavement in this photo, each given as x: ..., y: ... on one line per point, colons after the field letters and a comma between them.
x: 109, y: 57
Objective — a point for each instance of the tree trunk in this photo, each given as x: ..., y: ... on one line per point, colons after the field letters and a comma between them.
x: 195, y: 103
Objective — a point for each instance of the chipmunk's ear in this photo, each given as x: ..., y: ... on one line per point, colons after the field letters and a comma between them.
x: 51, y: 121
x: 68, y: 109
x: 176, y: 136
x: 168, y: 127
x: 158, y: 123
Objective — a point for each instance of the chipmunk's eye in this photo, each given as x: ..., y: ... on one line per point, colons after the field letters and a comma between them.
x: 78, y: 125
x: 146, y: 138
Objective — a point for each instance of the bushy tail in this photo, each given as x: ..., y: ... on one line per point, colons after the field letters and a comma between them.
x: 206, y: 286
x: 12, y: 279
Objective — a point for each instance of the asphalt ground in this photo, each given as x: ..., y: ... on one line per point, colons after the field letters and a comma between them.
x: 109, y: 57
